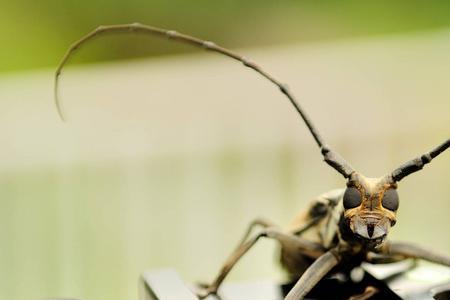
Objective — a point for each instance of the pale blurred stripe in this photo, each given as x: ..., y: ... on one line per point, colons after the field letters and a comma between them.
x: 165, y: 161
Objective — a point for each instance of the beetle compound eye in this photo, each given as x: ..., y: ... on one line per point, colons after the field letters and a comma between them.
x: 352, y: 198
x: 390, y: 200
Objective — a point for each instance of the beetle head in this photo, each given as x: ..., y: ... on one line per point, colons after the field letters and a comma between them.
x: 370, y: 206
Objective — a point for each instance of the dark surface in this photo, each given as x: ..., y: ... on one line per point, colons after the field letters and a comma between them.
x: 442, y: 293
x: 333, y: 288
x: 167, y: 285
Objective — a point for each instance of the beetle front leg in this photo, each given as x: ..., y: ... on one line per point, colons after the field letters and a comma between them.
x: 306, y: 247
x: 313, y: 275
x: 264, y: 223
x: 404, y: 250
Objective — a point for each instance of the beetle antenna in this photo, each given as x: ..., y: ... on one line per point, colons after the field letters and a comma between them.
x: 418, y: 163
x: 331, y: 157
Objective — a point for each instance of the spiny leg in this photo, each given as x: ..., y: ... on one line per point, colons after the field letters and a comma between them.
x: 313, y: 275
x: 305, y: 247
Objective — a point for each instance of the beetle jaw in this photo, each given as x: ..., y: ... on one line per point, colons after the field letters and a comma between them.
x: 370, y: 228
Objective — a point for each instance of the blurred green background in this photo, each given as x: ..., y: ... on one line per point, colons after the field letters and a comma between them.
x: 34, y: 33
x: 166, y: 159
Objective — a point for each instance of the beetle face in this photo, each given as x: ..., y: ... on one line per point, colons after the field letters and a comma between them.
x: 370, y: 206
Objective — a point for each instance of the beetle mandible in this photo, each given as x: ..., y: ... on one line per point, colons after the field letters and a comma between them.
x: 348, y: 226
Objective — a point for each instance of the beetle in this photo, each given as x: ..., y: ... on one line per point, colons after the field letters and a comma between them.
x: 341, y: 228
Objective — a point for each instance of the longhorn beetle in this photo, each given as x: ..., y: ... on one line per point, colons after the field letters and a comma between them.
x: 341, y: 229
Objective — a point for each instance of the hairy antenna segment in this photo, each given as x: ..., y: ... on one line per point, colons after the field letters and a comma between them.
x: 331, y: 157
x: 418, y: 163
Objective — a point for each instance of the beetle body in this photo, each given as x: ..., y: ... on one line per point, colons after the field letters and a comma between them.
x: 352, y: 220
x: 328, y: 208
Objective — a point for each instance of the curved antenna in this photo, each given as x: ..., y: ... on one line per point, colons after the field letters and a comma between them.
x: 331, y: 157
x: 418, y: 163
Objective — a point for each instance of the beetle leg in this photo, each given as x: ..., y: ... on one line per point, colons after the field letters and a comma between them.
x: 403, y: 250
x: 264, y: 223
x: 305, y: 247
x: 377, y: 258
x: 383, y: 258
x: 304, y: 227
x: 297, y: 230
x: 313, y: 275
